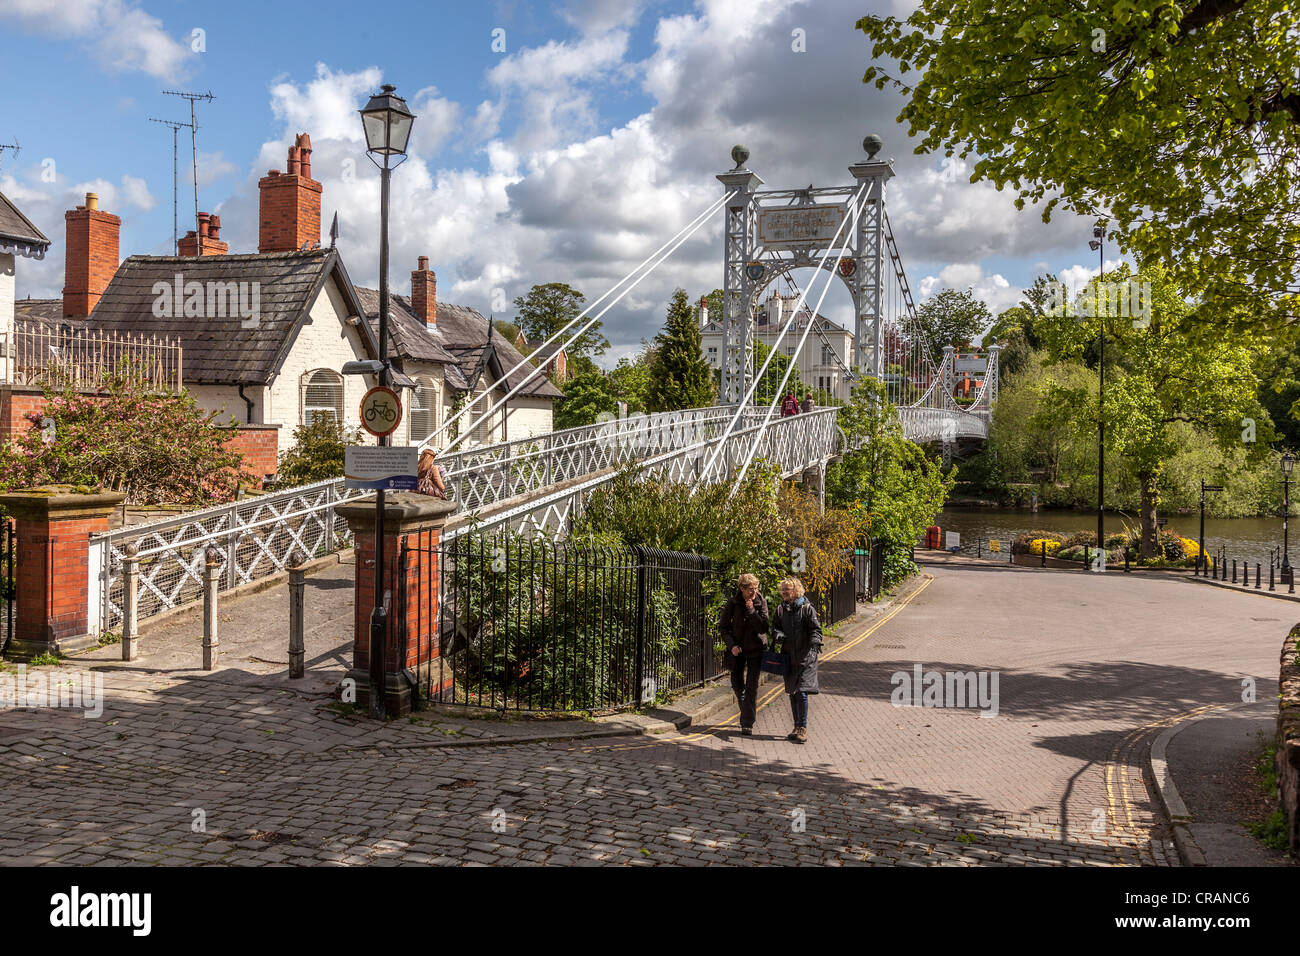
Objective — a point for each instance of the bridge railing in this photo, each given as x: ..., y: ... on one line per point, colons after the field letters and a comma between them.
x: 792, y: 444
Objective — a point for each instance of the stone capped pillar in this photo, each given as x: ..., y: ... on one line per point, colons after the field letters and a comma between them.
x: 52, y: 578
x: 416, y: 520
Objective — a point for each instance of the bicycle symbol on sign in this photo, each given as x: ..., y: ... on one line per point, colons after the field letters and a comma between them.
x: 381, y: 410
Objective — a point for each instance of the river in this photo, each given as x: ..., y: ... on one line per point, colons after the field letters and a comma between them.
x: 1247, y: 539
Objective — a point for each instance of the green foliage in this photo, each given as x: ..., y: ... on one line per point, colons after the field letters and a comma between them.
x: 890, y: 477
x: 157, y: 448
x: 548, y: 308
x: 317, y: 452
x: 952, y: 318
x: 769, y: 385
x: 585, y: 397
x: 1179, y: 120
x: 679, y: 375
x: 630, y: 380
x: 565, y: 640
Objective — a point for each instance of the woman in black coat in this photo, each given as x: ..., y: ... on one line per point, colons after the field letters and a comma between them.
x: 743, y: 624
x: 800, y: 633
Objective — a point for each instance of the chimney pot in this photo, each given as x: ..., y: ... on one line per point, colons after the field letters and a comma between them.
x: 424, y: 263
x: 92, y: 201
x: 293, y: 161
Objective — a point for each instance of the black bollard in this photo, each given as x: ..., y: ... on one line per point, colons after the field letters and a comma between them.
x: 1126, y: 567
x: 1256, y: 575
x: 1086, y: 561
x: 1234, y: 570
x: 1043, y: 548
x: 1270, y: 578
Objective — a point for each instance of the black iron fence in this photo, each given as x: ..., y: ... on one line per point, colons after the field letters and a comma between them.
x: 540, y: 625
x: 862, y: 583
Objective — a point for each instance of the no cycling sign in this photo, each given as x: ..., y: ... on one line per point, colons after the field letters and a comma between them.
x: 381, y: 411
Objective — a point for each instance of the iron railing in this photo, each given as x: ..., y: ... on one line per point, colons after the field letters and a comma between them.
x: 85, y: 358
x: 551, y: 626
x: 8, y: 583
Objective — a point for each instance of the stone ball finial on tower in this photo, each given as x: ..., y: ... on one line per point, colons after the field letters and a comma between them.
x: 872, y: 144
x: 739, y: 155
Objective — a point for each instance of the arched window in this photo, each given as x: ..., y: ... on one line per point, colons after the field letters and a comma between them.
x: 424, y: 409
x: 322, y: 395
x: 482, y: 434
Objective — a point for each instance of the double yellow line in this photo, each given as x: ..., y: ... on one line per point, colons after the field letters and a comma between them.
x: 780, y: 688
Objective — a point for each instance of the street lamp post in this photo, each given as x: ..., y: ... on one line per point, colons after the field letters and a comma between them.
x: 1288, y: 462
x: 387, y: 124
x: 1098, y: 239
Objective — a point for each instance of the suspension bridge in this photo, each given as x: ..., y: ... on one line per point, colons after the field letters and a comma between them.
x: 542, y: 482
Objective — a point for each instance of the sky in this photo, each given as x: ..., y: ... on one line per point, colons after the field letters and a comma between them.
x: 554, y: 142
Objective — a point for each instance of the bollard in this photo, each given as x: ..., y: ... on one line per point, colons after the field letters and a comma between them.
x: 1043, y: 548
x: 1127, y: 569
x: 1256, y: 575
x: 1086, y: 560
x: 211, y: 641
x: 131, y: 602
x: 979, y: 547
x: 297, y: 584
x: 1234, y: 570
x: 1270, y: 578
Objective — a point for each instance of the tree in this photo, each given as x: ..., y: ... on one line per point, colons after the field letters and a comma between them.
x: 510, y: 332
x: 1159, y: 376
x: 679, y: 375
x: 715, y: 302
x: 585, y: 397
x: 952, y: 318
x: 769, y: 386
x: 317, y: 452
x: 547, y: 309
x: 630, y: 380
x: 156, y: 448
x: 1179, y: 121
x: 886, y: 475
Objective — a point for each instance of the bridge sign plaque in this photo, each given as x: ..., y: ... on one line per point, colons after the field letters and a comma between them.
x: 373, y: 467
x: 977, y: 363
x: 789, y: 227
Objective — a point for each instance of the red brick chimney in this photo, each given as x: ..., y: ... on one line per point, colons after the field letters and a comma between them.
x: 91, y: 253
x: 424, y: 294
x: 210, y: 231
x: 290, y: 203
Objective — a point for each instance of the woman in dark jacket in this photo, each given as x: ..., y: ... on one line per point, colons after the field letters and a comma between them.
x: 743, y: 624
x: 796, y: 626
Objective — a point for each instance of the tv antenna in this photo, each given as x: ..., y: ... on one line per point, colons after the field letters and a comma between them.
x: 194, y: 151
x: 175, y: 126
x: 14, y: 146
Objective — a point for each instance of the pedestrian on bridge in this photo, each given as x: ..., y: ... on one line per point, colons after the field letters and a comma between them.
x: 430, y: 476
x: 796, y: 626
x: 744, y: 624
x: 789, y: 405
x: 808, y: 403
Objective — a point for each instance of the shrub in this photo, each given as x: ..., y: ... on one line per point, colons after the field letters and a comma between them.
x: 156, y: 447
x: 1024, y: 543
x: 317, y: 452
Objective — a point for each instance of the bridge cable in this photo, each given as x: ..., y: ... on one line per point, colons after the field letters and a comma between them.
x: 682, y: 235
x: 758, y: 377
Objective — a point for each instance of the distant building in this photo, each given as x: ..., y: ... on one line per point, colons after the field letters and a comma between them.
x: 826, y: 354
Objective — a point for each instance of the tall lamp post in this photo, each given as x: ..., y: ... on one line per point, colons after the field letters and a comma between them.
x: 1288, y: 462
x: 387, y: 124
x: 1098, y: 239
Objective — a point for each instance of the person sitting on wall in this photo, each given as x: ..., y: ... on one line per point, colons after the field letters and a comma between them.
x: 430, y: 476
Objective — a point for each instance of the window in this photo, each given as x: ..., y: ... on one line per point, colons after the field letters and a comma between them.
x: 322, y: 395
x: 484, y: 433
x: 789, y: 350
x: 424, y: 409
x: 713, y: 355
x: 827, y: 355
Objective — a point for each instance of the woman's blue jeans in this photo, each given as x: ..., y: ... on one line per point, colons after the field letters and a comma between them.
x: 799, y: 709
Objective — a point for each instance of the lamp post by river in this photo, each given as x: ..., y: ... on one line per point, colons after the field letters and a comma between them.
x: 1097, y: 243
x: 1202, y: 565
x: 1288, y: 462
x: 387, y: 124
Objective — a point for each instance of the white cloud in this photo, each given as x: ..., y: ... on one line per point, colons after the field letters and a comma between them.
x: 121, y: 36
x: 994, y: 290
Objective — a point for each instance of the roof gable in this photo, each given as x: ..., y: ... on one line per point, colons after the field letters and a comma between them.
x: 18, y: 233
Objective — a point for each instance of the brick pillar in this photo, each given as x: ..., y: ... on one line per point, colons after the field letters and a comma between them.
x: 54, y: 526
x: 418, y: 519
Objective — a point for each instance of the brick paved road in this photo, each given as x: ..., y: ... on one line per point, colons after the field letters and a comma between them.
x: 1054, y: 778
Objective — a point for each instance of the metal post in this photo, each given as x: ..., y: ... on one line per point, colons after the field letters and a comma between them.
x: 1101, y: 399
x: 297, y: 651
x: 211, y: 641
x: 1270, y: 577
x: 378, y: 618
x: 1234, y: 570
x: 1286, y: 544
x: 1127, y: 569
x: 1086, y: 562
x: 1256, y: 575
x: 641, y: 598
x: 130, y: 602
x: 1043, y: 550
x: 1201, y: 544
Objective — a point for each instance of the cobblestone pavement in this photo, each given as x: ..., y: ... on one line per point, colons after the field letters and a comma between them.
x: 193, y: 770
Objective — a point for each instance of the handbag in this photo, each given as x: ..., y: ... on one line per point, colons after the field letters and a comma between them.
x: 776, y: 662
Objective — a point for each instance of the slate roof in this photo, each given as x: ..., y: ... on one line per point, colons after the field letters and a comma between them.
x: 458, y: 341
x: 46, y: 313
x: 219, y: 350
x: 17, y: 229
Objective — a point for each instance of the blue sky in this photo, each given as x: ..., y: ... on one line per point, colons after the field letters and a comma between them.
x: 568, y: 156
